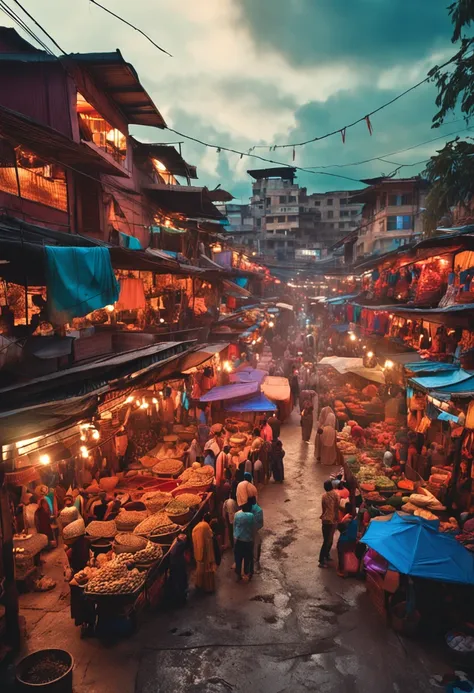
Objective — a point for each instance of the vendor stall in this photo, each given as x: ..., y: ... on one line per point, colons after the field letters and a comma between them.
x: 278, y: 390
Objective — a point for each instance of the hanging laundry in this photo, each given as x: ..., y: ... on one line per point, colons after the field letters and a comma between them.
x: 132, y: 294
x: 78, y: 281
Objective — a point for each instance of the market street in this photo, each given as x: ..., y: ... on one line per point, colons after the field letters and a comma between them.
x: 294, y: 628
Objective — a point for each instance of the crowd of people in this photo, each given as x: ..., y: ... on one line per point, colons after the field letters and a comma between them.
x: 237, y: 518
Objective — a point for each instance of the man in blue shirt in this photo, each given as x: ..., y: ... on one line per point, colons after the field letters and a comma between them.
x: 257, y: 513
x: 244, y: 532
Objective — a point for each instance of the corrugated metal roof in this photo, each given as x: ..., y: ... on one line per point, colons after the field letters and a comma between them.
x: 119, y: 80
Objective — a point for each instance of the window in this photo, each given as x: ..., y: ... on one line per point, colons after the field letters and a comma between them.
x: 317, y: 203
x: 330, y: 215
x: 94, y: 128
x: 292, y: 198
x: 344, y: 201
x: 292, y: 217
x: 399, y: 222
x: 281, y: 244
x: 353, y: 223
x: 397, y: 200
x: 283, y: 199
x: 354, y: 212
x: 329, y: 201
x: 344, y: 212
x: 259, y: 223
x: 270, y: 245
x: 281, y: 220
x: 37, y: 179
x: 268, y: 201
x: 270, y: 220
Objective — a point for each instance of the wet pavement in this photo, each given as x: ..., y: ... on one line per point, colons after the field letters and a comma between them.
x: 293, y: 628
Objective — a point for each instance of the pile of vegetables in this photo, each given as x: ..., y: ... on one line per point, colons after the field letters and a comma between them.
x: 115, y: 578
x: 153, y: 523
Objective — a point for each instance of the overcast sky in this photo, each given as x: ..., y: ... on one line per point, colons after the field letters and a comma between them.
x: 248, y: 72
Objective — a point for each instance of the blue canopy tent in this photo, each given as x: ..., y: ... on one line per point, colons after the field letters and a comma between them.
x: 444, y: 381
x: 421, y: 367
x: 247, y: 375
x: 234, y: 391
x: 257, y: 403
x: 414, y: 546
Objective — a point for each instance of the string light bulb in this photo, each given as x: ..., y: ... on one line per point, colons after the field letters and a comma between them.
x: 389, y: 364
x: 352, y: 337
x: 84, y: 452
x: 370, y: 354
x: 110, y: 308
x: 129, y: 399
x: 154, y: 400
x: 95, y: 434
x: 45, y: 459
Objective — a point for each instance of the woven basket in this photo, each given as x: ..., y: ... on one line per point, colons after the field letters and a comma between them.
x: 102, y: 530
x: 127, y: 520
x: 74, y: 529
x: 68, y: 515
x: 128, y: 543
x: 156, y: 500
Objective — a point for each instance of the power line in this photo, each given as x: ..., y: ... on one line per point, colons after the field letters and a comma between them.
x: 140, y: 31
x: 17, y: 19
x: 399, y: 151
x: 39, y: 26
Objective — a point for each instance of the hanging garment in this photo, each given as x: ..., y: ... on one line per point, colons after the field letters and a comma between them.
x: 78, y: 281
x: 132, y: 294
x: 129, y: 242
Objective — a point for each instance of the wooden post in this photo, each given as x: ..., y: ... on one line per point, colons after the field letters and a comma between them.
x: 11, y: 595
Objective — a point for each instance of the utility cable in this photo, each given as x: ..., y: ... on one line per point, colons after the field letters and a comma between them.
x: 132, y: 26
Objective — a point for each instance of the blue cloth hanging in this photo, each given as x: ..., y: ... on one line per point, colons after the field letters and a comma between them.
x: 129, y: 242
x: 78, y: 281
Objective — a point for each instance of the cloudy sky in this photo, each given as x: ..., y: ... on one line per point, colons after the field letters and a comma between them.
x: 247, y: 72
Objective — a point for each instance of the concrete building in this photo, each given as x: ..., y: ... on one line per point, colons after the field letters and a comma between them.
x: 392, y: 214
x: 291, y: 225
x: 240, y: 224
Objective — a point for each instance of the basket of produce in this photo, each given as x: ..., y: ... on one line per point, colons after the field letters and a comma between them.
x: 374, y: 497
x: 45, y: 670
x: 156, y: 500
x: 192, y: 500
x: 128, y: 543
x: 179, y: 512
x: 152, y: 523
x: 68, y: 515
x: 74, y: 529
x: 149, y: 554
x: 100, y: 545
x: 115, y: 579
x: 108, y: 483
x: 384, y: 484
x: 168, y: 467
x: 238, y: 439
x: 127, y: 520
x: 83, y: 576
x: 102, y: 530
x: 166, y: 534
x: 171, y: 438
x: 147, y: 461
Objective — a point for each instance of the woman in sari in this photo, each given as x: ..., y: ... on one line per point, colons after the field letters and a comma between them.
x: 325, y: 443
x: 203, y: 545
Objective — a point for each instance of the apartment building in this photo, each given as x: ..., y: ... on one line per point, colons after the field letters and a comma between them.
x: 239, y: 223
x: 391, y: 215
x: 289, y: 224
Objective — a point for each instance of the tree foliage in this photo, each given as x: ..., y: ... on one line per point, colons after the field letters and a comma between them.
x: 451, y: 171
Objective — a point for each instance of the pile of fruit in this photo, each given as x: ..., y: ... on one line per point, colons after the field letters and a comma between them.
x: 151, y: 552
x: 115, y: 578
x: 172, y: 528
x: 102, y: 530
x: 83, y: 576
x: 177, y: 507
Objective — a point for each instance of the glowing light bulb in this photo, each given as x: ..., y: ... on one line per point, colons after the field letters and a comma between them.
x: 271, y: 324
x: 144, y: 405
x: 162, y: 320
x: 84, y: 452
x: 138, y: 402
x: 154, y: 400
x: 95, y: 434
x: 129, y: 399
x: 389, y: 364
x: 370, y: 354
x: 44, y: 459
x: 110, y: 309
x: 352, y: 337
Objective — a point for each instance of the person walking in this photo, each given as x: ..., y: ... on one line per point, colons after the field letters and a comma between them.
x: 307, y: 416
x: 275, y: 425
x: 294, y: 388
x: 325, y: 443
x: 244, y: 531
x: 276, y: 461
x: 245, y: 490
x: 203, y: 546
x: 329, y: 520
